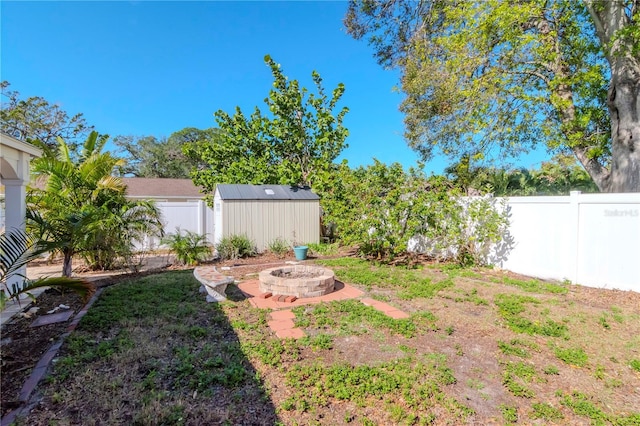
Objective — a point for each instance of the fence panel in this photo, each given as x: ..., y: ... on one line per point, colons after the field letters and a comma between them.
x: 588, y: 239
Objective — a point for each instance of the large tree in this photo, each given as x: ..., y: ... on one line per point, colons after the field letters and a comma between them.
x: 36, y: 120
x: 154, y: 157
x: 487, y: 77
x: 294, y: 143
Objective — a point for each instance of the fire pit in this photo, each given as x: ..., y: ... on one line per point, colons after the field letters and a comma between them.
x: 297, y: 280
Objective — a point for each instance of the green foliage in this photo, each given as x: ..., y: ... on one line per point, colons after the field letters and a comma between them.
x: 536, y: 286
x: 517, y: 347
x: 381, y: 208
x: 279, y: 247
x: 323, y: 248
x: 572, y: 356
x: 416, y: 382
x: 16, y: 250
x: 353, y: 317
x: 509, y: 413
x: 189, y: 247
x: 408, y: 283
x: 516, y: 376
x: 37, y: 121
x: 546, y: 412
x: 558, y: 176
x: 79, y: 207
x: 153, y: 157
x: 581, y: 404
x: 511, y: 306
x: 235, y: 247
x: 296, y: 143
x: 635, y: 364
x: 497, y: 76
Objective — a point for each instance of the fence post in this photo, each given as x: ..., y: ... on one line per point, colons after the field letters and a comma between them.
x: 574, y: 235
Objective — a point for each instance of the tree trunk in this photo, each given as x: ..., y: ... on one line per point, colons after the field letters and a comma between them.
x: 66, y: 266
x: 624, y: 108
x: 610, y: 18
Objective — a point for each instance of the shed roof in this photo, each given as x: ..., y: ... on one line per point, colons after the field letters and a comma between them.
x: 264, y: 192
x: 161, y: 187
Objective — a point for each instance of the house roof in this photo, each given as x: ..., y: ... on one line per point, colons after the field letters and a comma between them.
x: 264, y: 192
x: 161, y: 188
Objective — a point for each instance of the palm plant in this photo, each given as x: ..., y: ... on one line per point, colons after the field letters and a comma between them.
x: 112, y: 235
x: 16, y: 250
x: 82, y: 209
x: 189, y: 247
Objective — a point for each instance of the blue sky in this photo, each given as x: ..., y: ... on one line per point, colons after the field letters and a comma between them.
x: 152, y: 68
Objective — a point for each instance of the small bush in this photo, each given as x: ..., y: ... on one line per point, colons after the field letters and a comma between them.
x: 235, y: 247
x: 279, y: 247
x: 190, y: 248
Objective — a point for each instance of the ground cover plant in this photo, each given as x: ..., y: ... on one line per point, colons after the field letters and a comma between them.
x: 479, y: 346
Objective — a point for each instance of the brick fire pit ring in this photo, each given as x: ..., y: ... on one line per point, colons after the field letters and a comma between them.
x: 297, y: 280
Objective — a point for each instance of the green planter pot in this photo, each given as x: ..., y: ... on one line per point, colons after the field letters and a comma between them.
x: 301, y: 252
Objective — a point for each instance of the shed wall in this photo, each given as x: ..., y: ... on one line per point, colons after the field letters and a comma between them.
x: 265, y: 220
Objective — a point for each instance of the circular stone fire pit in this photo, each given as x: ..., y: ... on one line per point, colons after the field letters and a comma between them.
x: 297, y: 280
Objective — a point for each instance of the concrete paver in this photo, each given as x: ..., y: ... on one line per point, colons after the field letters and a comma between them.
x: 282, y: 315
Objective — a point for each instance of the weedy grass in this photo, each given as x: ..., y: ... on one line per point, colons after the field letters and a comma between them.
x: 416, y: 383
x: 536, y: 286
x: 517, y: 347
x: 409, y: 283
x: 351, y: 317
x: 516, y: 376
x: 152, y: 351
x: 572, y: 356
x: 544, y: 411
x: 157, y: 344
x: 512, y: 306
x: 584, y: 405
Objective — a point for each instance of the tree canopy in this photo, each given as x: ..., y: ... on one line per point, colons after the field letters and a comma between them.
x: 37, y: 121
x: 153, y: 157
x: 294, y: 143
x: 486, y: 78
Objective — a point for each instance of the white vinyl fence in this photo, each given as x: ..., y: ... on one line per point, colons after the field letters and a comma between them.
x: 588, y: 239
x: 193, y: 216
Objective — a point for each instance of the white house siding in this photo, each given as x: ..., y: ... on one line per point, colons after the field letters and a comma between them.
x: 266, y: 220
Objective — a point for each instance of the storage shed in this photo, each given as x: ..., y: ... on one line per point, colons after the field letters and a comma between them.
x: 265, y: 213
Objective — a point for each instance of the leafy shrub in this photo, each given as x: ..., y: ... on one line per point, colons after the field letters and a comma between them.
x: 387, y: 212
x: 235, y: 247
x: 279, y: 247
x: 189, y: 247
x: 323, y: 248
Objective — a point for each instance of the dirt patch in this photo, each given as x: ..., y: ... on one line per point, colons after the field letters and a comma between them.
x: 22, y: 346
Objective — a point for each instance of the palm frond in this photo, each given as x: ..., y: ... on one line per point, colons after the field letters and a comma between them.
x: 16, y: 250
x: 83, y: 288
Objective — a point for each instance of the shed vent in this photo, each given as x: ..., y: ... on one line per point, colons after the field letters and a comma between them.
x: 269, y: 191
